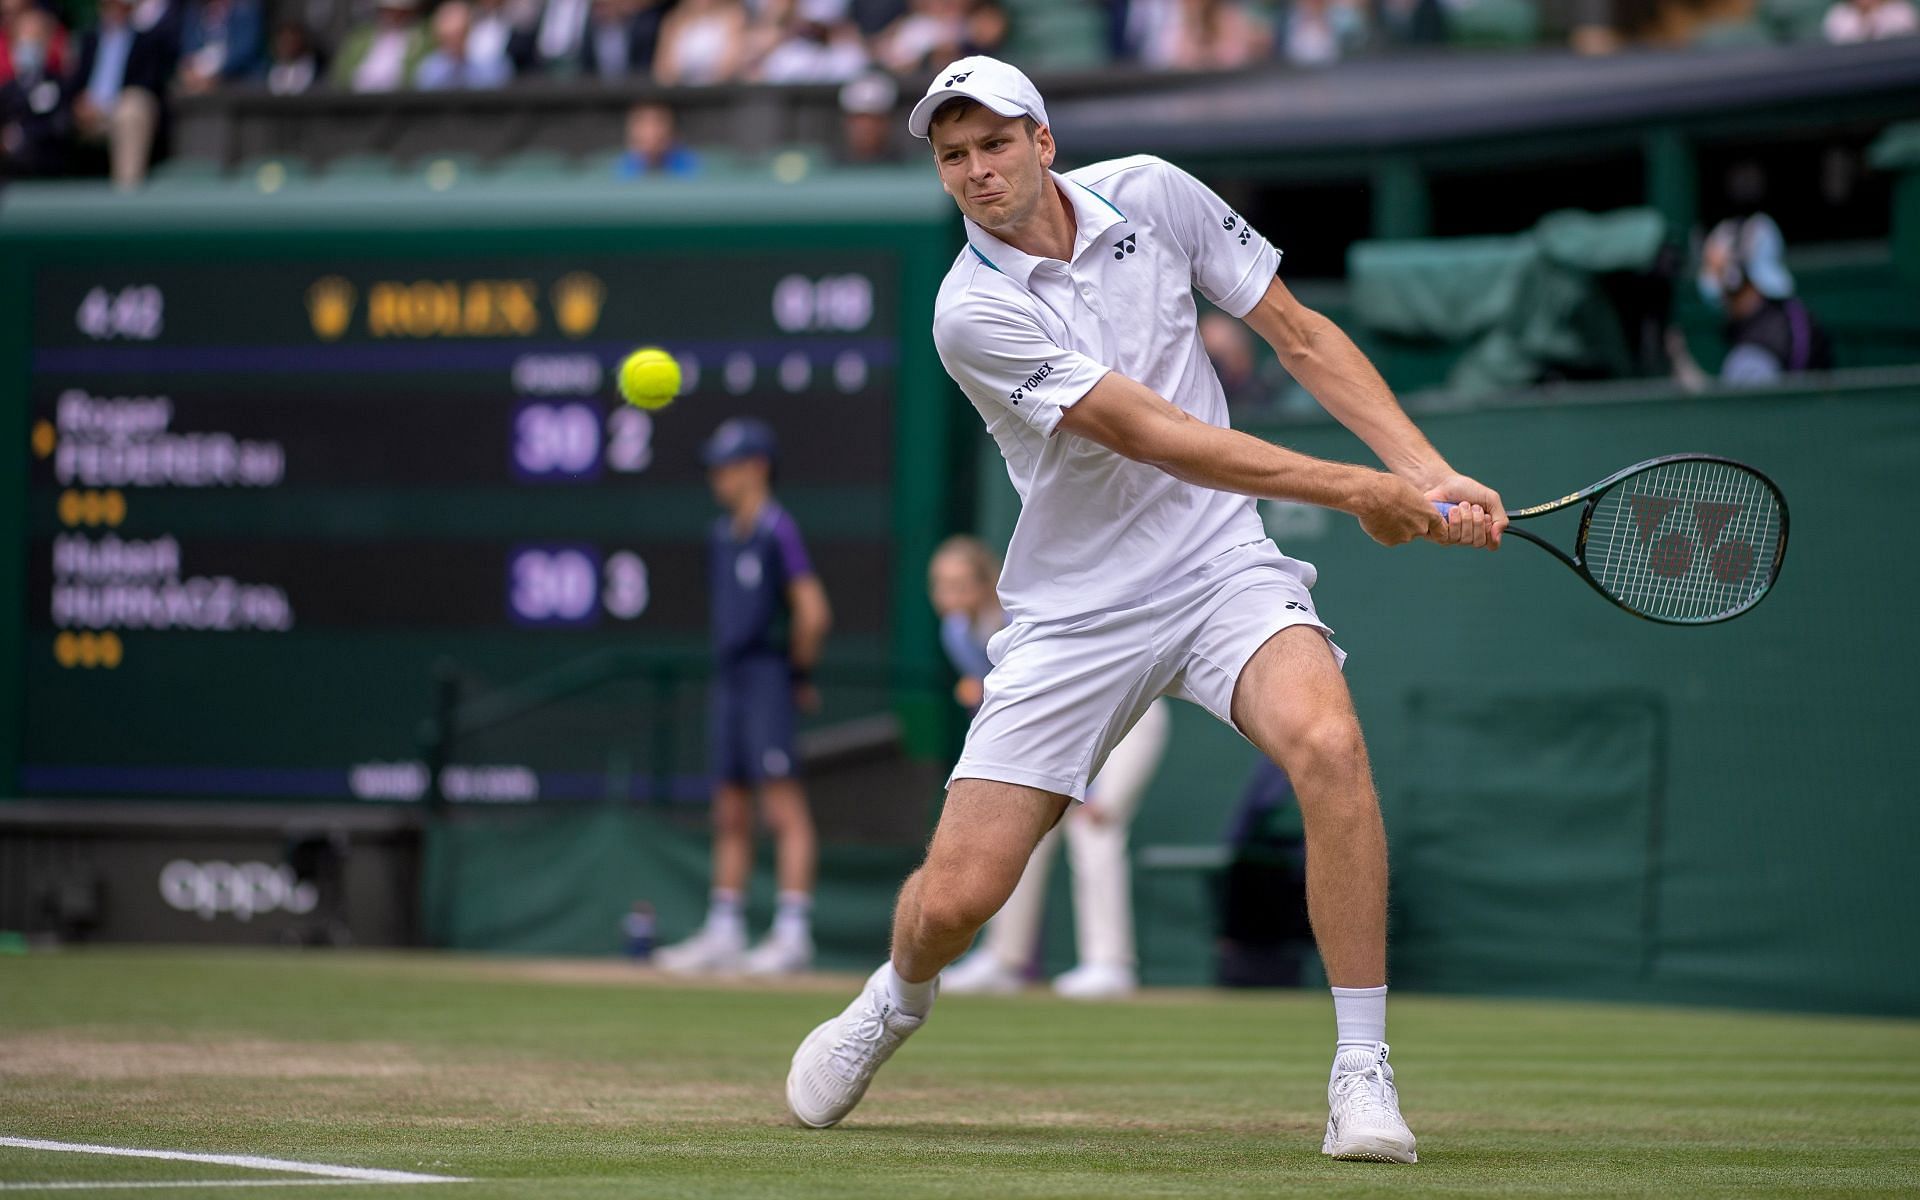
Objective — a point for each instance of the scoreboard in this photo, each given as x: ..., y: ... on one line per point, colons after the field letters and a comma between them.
x: 280, y: 465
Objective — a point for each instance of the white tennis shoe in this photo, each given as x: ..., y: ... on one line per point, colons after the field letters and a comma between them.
x: 981, y: 974
x: 1364, y: 1121
x: 710, y: 950
x: 780, y: 954
x: 1097, y: 981
x: 832, y: 1068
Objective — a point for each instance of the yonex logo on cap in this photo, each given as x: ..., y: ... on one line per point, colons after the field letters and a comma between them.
x: 960, y: 78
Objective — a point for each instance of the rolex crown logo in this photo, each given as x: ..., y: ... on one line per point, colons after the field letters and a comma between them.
x: 577, y: 298
x: 330, y: 307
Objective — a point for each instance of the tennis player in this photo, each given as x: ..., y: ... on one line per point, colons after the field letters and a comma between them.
x: 1139, y: 567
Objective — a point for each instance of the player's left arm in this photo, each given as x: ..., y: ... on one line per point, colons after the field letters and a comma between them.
x: 1324, y: 359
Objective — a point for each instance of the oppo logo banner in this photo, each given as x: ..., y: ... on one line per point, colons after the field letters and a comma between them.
x: 238, y: 889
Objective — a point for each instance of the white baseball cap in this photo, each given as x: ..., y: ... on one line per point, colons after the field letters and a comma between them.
x: 1000, y: 86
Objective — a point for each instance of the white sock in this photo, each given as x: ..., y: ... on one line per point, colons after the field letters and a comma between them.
x: 790, y: 919
x: 1360, y: 1016
x: 913, y: 999
x: 726, y: 914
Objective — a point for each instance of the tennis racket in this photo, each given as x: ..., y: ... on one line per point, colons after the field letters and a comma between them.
x: 1686, y: 539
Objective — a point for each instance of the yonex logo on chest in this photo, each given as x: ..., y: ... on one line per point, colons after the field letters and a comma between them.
x: 1124, y: 246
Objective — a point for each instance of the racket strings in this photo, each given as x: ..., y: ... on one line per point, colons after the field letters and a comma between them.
x: 1686, y: 541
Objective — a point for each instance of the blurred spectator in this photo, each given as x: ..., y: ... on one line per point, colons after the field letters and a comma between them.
x: 120, y: 79
x: 818, y: 44
x: 448, y: 66
x: 1411, y: 22
x: 701, y: 41
x: 867, y: 126
x: 500, y: 35
x: 296, y: 64
x: 50, y: 39
x: 1769, y: 332
x: 933, y: 33
x: 654, y: 146
x: 1252, y: 378
x: 1212, y: 35
x: 1869, y: 21
x: 382, y: 56
x: 622, y: 36
x: 1319, y: 32
x: 1230, y: 347
x: 222, y: 40
x: 34, y: 120
x: 560, y: 44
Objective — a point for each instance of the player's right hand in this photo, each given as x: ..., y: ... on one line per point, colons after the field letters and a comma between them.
x: 1395, y: 513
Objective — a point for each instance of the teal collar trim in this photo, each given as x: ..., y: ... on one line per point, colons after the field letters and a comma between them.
x: 983, y: 258
x: 1102, y: 199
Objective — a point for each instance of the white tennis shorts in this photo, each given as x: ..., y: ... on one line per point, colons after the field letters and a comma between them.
x: 1062, y: 694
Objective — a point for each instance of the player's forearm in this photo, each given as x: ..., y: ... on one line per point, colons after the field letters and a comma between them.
x: 1229, y: 461
x: 1327, y: 363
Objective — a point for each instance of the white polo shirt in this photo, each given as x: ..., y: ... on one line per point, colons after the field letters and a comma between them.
x: 1026, y: 337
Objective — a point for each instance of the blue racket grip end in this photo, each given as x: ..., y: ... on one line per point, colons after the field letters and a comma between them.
x: 1443, y: 508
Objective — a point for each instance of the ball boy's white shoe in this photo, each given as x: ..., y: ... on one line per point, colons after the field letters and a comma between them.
x: 780, y: 955
x: 1364, y: 1121
x: 832, y: 1068
x: 1097, y: 981
x: 980, y: 974
x: 708, y: 950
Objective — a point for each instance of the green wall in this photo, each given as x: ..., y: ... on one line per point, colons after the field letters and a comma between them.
x: 1584, y: 804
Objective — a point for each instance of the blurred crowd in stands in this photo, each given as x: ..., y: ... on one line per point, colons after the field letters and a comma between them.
x: 85, y: 84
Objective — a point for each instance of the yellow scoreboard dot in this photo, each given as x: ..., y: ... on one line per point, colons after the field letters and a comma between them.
x: 43, y: 438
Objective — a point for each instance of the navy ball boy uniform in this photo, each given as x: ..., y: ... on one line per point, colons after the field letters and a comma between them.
x: 752, y: 697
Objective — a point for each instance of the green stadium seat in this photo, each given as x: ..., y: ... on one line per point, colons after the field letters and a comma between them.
x: 187, y: 173
x: 1056, y: 36
x: 269, y: 173
x: 789, y: 164
x: 537, y: 163
x: 446, y: 170
x: 357, y: 169
x: 1494, y: 23
x: 1795, y: 20
x: 1732, y: 35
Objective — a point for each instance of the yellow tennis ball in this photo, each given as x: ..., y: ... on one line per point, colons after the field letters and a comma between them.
x: 649, y: 378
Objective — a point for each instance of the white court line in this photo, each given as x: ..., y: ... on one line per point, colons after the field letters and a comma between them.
x: 185, y: 1183
x: 247, y: 1161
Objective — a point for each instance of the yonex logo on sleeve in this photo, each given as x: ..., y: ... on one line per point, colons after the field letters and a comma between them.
x: 1234, y: 219
x: 1018, y: 394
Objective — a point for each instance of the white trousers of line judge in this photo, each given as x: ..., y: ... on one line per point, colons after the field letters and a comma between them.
x: 1097, y: 853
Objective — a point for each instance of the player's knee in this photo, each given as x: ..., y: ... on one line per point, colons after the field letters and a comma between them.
x: 1328, y: 747
x: 951, y: 906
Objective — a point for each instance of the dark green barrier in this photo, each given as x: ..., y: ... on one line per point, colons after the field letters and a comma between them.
x: 1586, y: 804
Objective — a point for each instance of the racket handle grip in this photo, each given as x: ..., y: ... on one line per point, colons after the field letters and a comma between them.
x: 1443, y: 508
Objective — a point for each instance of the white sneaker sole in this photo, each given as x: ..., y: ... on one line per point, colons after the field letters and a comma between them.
x: 793, y: 1105
x: 1368, y: 1149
